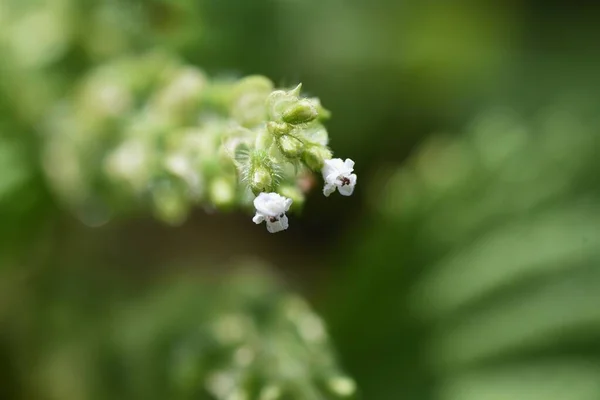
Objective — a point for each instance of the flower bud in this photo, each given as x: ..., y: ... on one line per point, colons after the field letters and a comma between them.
x: 259, y: 172
x: 314, y: 157
x: 290, y: 146
x: 280, y: 101
x: 277, y: 101
x: 253, y: 84
x: 261, y: 180
x: 248, y: 103
x: 300, y: 112
x: 316, y: 134
x: 263, y: 140
x: 278, y: 128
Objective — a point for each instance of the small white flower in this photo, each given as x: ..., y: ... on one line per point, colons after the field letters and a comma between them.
x: 271, y: 207
x: 338, y: 174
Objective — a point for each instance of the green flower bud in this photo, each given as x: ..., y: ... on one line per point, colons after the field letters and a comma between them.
x: 248, y: 102
x: 300, y: 112
x: 276, y: 102
x: 253, y: 84
x: 264, y: 139
x: 278, y: 128
x: 290, y: 146
x: 280, y: 101
x: 314, y: 157
x: 316, y: 134
x: 259, y: 172
x: 261, y: 180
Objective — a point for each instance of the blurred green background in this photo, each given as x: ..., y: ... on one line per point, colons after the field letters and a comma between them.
x: 464, y: 267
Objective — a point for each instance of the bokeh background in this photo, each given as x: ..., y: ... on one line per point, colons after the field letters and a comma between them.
x: 464, y: 267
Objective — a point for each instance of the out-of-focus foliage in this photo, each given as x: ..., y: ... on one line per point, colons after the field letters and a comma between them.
x: 464, y: 267
x: 195, y: 337
x: 492, y: 291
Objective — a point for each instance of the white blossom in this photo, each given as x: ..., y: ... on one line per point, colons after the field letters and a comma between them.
x: 271, y: 207
x: 338, y: 174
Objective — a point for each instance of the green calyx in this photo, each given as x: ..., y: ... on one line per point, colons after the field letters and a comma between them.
x: 290, y: 146
x: 288, y: 107
x: 314, y: 157
x: 260, y: 173
x: 301, y: 112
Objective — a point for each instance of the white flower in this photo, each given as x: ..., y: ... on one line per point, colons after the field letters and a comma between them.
x: 271, y: 207
x: 338, y: 174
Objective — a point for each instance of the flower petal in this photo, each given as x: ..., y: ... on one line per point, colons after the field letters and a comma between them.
x: 334, y: 165
x: 280, y: 225
x: 270, y: 204
x: 349, y: 165
x: 331, y: 178
x: 258, y: 218
x: 346, y: 190
x: 328, y: 189
x: 284, y: 221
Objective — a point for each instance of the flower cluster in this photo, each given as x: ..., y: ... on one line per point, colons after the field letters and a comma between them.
x: 150, y: 130
x: 292, y: 139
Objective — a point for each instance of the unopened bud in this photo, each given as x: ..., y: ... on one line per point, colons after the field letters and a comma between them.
x: 314, y: 157
x: 316, y: 134
x: 253, y: 84
x: 261, y: 180
x: 264, y: 139
x: 278, y: 128
x: 248, y: 103
x: 276, y: 103
x: 280, y: 101
x: 301, y: 112
x: 290, y: 146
